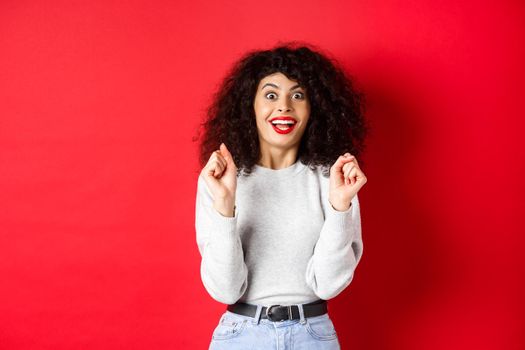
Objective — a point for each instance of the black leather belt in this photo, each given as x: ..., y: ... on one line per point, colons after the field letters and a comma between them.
x: 281, y: 312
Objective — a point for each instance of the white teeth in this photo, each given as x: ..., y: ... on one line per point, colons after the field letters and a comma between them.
x: 283, y: 122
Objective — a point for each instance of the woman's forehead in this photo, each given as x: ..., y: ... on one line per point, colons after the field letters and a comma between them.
x: 277, y: 80
x: 275, y: 76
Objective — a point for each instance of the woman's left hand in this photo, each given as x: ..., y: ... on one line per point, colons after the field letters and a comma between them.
x: 346, y: 178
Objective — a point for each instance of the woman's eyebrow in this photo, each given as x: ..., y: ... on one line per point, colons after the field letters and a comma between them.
x: 277, y: 87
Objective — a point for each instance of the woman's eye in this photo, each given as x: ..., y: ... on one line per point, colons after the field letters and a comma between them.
x: 299, y: 94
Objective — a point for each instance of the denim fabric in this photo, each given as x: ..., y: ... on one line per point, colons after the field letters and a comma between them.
x: 240, y: 332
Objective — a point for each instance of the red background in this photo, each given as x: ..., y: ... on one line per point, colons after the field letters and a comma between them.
x: 98, y: 104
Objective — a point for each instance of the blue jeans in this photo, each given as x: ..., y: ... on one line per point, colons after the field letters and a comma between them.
x: 240, y: 332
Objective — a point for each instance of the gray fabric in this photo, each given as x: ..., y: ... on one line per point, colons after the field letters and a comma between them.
x: 285, y: 245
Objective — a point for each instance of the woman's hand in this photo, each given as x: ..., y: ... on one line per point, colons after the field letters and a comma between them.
x: 220, y: 173
x: 346, y: 178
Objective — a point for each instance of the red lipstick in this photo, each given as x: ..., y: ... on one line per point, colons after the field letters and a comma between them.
x: 289, y: 127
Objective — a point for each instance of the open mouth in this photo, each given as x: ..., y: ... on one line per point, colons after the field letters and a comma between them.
x: 283, y: 126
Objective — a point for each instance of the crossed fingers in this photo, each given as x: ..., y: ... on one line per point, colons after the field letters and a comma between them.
x: 350, y: 170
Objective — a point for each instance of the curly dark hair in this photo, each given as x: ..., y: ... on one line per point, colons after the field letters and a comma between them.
x: 336, y: 124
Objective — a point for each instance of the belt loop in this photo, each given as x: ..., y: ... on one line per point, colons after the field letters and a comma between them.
x: 301, y: 313
x: 257, y: 315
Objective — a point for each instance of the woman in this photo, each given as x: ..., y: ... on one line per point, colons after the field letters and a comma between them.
x: 277, y: 215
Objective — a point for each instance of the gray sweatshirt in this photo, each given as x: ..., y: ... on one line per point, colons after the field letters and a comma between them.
x: 285, y: 245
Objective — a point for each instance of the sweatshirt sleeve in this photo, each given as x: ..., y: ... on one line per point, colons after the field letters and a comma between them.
x: 223, y: 270
x: 337, y: 251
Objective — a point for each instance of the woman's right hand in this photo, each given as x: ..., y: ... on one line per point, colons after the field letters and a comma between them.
x: 220, y: 174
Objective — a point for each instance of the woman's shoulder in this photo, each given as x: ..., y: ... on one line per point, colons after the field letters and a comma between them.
x: 320, y: 170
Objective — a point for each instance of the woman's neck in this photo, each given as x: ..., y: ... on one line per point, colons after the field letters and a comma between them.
x: 278, y: 158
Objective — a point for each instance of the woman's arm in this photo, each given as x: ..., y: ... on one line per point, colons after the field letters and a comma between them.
x: 223, y: 270
x: 337, y: 252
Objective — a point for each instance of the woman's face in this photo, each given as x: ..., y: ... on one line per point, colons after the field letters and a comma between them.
x: 284, y: 102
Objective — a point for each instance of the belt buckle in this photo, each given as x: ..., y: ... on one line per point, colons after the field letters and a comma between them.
x: 269, y: 312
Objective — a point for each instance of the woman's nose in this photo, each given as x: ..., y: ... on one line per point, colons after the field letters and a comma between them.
x: 284, y: 108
